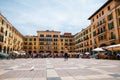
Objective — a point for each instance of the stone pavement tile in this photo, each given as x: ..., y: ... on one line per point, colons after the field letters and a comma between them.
x: 80, y: 77
x: 51, y: 73
x: 53, y: 78
x: 111, y: 69
x: 115, y: 75
x: 24, y: 74
x: 82, y: 72
x: 39, y: 79
x: 49, y: 66
x: 98, y: 76
x: 62, y: 73
x: 24, y: 79
x: 3, y: 71
x: 67, y: 78
x: 118, y: 78
x: 105, y: 79
x: 10, y: 79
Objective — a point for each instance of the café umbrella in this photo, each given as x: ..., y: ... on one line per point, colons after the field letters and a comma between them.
x: 113, y: 47
x: 98, y: 49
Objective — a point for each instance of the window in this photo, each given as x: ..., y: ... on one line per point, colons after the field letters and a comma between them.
x: 110, y: 17
x: 30, y: 39
x: 48, y: 36
x: 90, y: 42
x: 25, y: 39
x: 90, y: 35
x: 5, y: 33
x: 55, y: 36
x: 1, y: 38
x: 97, y: 16
x: 25, y: 47
x: 34, y: 43
x: 93, y: 19
x: 55, y: 39
x: 70, y: 44
x: 119, y: 12
x: 55, y: 48
x: 41, y: 47
x: 25, y: 43
x: 100, y: 22
x: 66, y: 40
x: 104, y: 20
x: 34, y: 47
x: 62, y: 48
x: 2, y: 29
x: 119, y: 21
x: 110, y: 25
x: 102, y: 12
x: 66, y: 44
x: 2, y: 22
x: 90, y: 29
x: 41, y: 35
x: 48, y: 39
x: 70, y: 40
x: 61, y: 40
x: 34, y: 39
x: 102, y: 37
x: 86, y: 31
x: 108, y: 8
x: 112, y: 35
x: 41, y: 39
x: 55, y: 43
x: 7, y: 25
x: 93, y: 26
x: 30, y: 43
x: 94, y: 33
x: 41, y: 43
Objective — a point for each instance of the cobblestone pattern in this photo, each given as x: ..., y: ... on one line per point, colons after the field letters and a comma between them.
x: 59, y: 69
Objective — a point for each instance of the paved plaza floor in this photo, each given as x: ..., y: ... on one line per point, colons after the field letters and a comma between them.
x: 59, y: 69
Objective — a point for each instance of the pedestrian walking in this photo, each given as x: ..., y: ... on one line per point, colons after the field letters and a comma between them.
x: 65, y: 54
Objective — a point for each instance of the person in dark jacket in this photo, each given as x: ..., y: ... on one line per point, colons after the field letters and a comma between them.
x: 66, y: 56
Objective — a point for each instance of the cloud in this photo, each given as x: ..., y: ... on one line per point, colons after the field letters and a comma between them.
x: 28, y: 16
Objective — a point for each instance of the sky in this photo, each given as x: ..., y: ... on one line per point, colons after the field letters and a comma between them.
x: 30, y: 16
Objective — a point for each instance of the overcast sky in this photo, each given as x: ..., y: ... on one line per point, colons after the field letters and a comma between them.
x: 29, y: 16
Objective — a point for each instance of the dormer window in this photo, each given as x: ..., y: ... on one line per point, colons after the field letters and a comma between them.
x: 108, y: 8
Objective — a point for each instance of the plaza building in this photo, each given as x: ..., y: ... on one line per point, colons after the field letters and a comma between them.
x: 30, y: 44
x: 10, y: 38
x: 48, y: 42
x: 104, y: 29
x: 67, y: 41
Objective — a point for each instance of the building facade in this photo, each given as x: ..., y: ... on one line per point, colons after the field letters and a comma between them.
x: 10, y: 38
x: 67, y: 41
x: 49, y: 42
x: 104, y: 29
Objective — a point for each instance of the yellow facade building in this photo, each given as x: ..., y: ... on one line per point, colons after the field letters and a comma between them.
x: 48, y: 42
x: 67, y: 41
x: 10, y: 38
x: 104, y: 29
